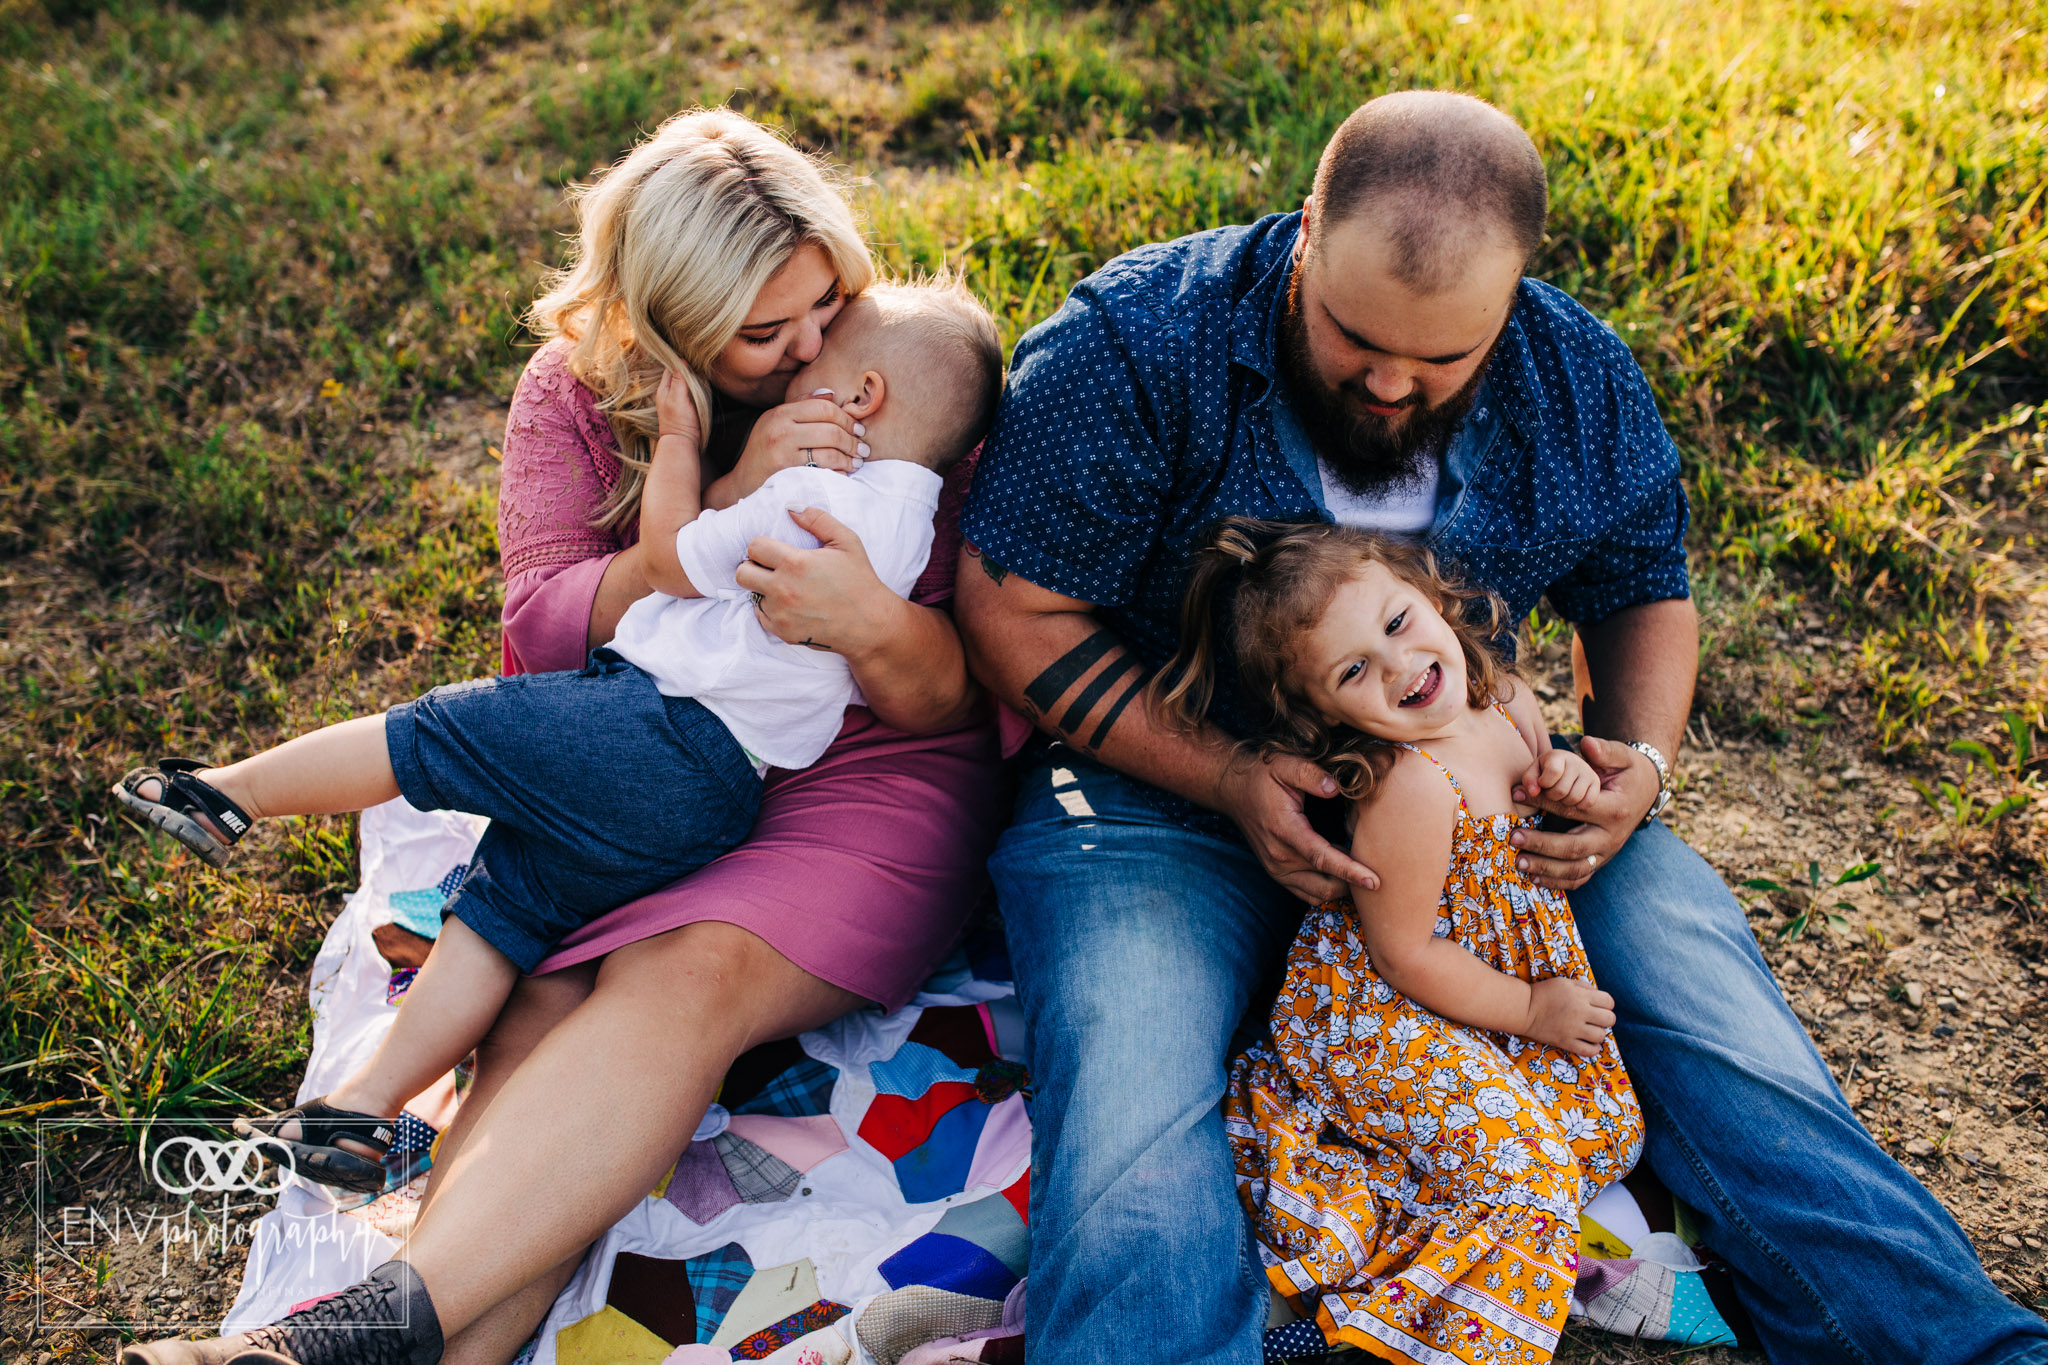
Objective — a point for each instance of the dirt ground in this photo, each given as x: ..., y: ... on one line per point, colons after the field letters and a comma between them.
x: 1928, y: 1005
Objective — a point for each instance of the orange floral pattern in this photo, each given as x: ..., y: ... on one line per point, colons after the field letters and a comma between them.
x: 1416, y: 1183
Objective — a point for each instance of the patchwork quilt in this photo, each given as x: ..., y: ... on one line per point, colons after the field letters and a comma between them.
x: 855, y: 1195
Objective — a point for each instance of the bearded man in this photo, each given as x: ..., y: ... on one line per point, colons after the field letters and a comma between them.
x: 1376, y: 360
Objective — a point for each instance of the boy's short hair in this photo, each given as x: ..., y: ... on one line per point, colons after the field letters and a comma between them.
x: 953, y: 373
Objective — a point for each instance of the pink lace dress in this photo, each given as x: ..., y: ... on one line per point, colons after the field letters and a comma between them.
x: 863, y: 867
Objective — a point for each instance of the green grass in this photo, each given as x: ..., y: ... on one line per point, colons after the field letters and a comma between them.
x: 254, y: 258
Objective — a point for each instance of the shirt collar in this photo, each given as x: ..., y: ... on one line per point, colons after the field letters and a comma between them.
x: 1511, y: 373
x: 1255, y: 321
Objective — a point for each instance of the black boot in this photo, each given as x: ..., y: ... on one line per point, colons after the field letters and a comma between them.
x: 386, y: 1319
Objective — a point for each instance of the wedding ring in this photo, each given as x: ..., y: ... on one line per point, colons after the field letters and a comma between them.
x: 760, y: 599
x: 809, y: 463
x: 1592, y: 860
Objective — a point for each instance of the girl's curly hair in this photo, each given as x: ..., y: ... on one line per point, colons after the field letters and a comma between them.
x: 1266, y: 584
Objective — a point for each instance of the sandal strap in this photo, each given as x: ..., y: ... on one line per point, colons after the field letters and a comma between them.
x: 178, y: 774
x: 320, y: 1123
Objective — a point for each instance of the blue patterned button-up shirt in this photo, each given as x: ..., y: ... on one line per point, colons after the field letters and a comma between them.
x: 1150, y: 407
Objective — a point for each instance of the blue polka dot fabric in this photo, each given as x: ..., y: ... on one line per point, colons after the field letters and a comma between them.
x: 1143, y: 412
x: 1295, y: 1341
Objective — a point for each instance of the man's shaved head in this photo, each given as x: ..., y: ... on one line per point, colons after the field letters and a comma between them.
x: 1440, y: 175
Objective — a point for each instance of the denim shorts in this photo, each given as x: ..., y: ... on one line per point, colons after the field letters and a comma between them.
x: 599, y: 789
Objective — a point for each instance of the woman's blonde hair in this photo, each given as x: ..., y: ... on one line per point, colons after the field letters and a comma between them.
x: 675, y: 241
x: 1267, y: 584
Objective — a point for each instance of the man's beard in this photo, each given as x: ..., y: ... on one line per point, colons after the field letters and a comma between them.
x: 1368, y: 454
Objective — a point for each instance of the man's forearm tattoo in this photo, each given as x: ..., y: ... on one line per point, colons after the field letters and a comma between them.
x: 1116, y: 708
x: 1049, y: 686
x: 1044, y: 691
x: 1092, y: 693
x: 988, y: 566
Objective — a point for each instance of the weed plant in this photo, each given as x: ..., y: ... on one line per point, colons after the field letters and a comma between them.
x: 262, y: 268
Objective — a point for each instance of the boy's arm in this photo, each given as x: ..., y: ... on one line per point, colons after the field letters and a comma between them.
x: 673, y: 494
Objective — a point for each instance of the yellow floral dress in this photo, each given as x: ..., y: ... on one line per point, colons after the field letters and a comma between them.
x: 1416, y: 1183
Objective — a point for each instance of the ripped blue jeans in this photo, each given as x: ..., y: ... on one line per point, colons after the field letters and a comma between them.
x: 1138, y: 945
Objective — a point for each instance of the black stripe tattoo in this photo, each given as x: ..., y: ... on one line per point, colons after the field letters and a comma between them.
x: 1117, y: 708
x: 1049, y: 686
x: 1092, y: 693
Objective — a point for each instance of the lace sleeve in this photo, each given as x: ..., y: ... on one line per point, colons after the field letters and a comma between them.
x: 561, y: 462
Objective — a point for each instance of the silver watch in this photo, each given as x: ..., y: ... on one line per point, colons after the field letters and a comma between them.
x: 1663, y: 768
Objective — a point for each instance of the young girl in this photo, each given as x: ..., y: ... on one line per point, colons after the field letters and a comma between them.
x: 1438, y: 1093
x: 605, y: 784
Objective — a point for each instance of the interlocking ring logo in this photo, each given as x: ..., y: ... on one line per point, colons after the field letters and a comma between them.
x: 221, y: 1167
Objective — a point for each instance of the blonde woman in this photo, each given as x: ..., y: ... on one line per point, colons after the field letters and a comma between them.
x: 716, y: 252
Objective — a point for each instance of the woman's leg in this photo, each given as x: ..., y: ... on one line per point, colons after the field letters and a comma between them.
x: 627, y: 1073
x: 538, y: 1004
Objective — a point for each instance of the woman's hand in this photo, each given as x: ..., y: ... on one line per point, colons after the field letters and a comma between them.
x: 812, y: 431
x: 907, y: 659
x: 675, y: 411
x: 828, y: 598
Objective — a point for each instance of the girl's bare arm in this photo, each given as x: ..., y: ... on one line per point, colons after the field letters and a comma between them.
x: 1403, y: 832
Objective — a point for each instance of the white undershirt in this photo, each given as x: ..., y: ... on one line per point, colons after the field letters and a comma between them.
x: 1407, y: 509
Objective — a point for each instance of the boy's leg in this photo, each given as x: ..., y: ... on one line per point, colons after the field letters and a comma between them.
x: 446, y: 1013
x: 343, y: 767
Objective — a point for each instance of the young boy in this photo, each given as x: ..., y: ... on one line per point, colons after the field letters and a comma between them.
x: 605, y: 784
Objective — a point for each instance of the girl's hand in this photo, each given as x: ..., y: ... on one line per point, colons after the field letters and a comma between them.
x: 1566, y: 783
x: 1568, y: 1015
x: 675, y: 411
x: 810, y: 431
x: 829, y: 598
x: 1566, y: 860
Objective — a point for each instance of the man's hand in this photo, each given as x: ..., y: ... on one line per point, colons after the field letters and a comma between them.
x: 1566, y: 861
x: 1265, y: 798
x: 1568, y: 1015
